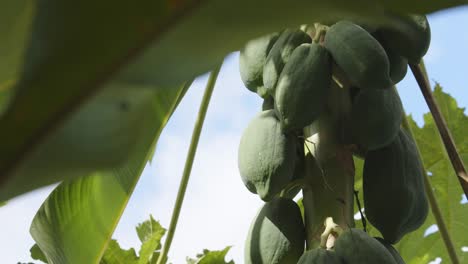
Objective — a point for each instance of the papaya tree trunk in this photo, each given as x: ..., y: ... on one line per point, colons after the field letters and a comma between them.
x: 329, y: 170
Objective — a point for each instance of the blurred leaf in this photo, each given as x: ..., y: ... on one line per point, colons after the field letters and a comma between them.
x: 3, y: 203
x: 77, y: 220
x: 211, y: 257
x: 63, y: 62
x: 57, y: 60
x: 150, y: 233
x: 114, y: 254
x: 37, y: 254
x: 415, y: 247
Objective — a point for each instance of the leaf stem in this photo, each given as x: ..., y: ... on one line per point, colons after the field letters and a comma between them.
x: 433, y: 202
x: 444, y: 132
x: 188, y: 163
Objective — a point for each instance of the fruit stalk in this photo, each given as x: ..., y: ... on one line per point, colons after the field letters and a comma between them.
x: 188, y: 163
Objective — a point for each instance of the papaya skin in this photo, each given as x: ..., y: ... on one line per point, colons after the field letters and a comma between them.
x: 279, y: 55
x: 320, y: 256
x: 266, y: 157
x: 359, y: 55
x: 303, y: 87
x: 356, y: 246
x: 276, y: 235
x: 394, y: 196
x: 375, y: 118
x: 252, y: 58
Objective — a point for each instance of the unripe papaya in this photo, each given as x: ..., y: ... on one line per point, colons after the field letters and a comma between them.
x: 410, y: 37
x: 392, y: 250
x: 359, y: 55
x: 266, y: 157
x: 355, y: 246
x: 303, y: 87
x: 393, y: 183
x: 398, y: 63
x: 276, y: 235
x: 252, y: 59
x: 279, y: 54
x: 375, y: 118
x: 320, y: 256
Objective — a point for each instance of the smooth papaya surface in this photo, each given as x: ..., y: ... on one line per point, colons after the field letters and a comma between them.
x: 252, y: 58
x: 279, y: 54
x: 393, y: 183
x: 392, y: 250
x: 320, y: 256
x: 303, y: 87
x: 266, y: 156
x: 398, y: 63
x: 359, y: 55
x: 357, y: 247
x: 411, y: 39
x: 375, y: 119
x: 276, y: 235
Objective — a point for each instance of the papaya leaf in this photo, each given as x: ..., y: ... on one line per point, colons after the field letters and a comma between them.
x: 416, y: 246
x: 150, y: 233
x: 75, y: 223
x: 59, y: 60
x: 64, y: 59
x: 211, y: 257
x: 114, y: 254
x: 37, y: 254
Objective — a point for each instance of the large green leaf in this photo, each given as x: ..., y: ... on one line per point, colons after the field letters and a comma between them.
x: 74, y: 48
x: 116, y: 255
x: 150, y: 233
x: 75, y: 223
x: 416, y: 247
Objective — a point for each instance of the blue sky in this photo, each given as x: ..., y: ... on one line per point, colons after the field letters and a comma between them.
x: 218, y: 208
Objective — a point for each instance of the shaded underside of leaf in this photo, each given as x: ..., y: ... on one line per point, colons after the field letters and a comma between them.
x: 72, y: 49
x: 65, y: 51
x: 77, y: 220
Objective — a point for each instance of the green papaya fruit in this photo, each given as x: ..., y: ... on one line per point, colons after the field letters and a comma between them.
x: 320, y: 256
x: 359, y: 55
x: 398, y: 63
x: 299, y: 170
x: 355, y: 246
x: 266, y: 156
x: 410, y: 37
x: 375, y: 118
x: 252, y: 59
x: 393, y: 183
x: 279, y: 54
x: 303, y: 87
x: 392, y: 250
x: 276, y: 235
x: 268, y: 103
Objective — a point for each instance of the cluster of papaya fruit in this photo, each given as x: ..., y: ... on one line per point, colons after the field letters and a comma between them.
x: 293, y: 71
